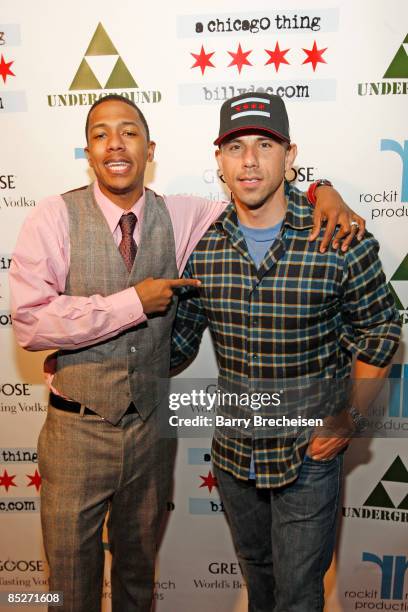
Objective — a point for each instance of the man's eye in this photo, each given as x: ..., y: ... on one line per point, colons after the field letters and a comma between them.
x: 266, y: 144
x: 98, y: 136
x: 130, y: 133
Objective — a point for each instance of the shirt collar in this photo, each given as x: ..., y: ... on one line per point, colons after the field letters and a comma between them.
x: 112, y: 212
x: 298, y: 214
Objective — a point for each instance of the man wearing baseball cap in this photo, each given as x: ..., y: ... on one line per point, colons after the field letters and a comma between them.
x: 278, y: 309
x: 264, y: 113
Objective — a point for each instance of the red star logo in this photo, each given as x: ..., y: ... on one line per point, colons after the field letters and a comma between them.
x: 314, y: 56
x: 6, y: 481
x: 208, y: 481
x: 277, y: 57
x: 240, y: 58
x: 35, y: 480
x: 202, y: 60
x: 5, y: 69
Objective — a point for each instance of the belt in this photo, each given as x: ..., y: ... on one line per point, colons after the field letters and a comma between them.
x: 56, y: 401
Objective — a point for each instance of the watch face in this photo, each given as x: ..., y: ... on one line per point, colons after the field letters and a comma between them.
x: 364, y: 423
x: 361, y: 423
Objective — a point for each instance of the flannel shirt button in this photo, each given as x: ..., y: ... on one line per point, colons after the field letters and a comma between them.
x: 255, y: 357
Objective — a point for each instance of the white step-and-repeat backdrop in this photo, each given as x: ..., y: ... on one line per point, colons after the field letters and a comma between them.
x: 342, y: 69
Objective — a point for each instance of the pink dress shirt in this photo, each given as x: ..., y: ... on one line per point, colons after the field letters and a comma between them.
x: 44, y: 318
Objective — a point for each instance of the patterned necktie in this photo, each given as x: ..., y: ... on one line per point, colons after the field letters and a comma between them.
x: 127, y: 245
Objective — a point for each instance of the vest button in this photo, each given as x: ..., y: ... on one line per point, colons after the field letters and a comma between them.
x: 133, y: 349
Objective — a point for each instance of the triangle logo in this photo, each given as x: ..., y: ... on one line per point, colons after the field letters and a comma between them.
x: 379, y: 498
x: 397, y: 472
x: 398, y: 69
x: 102, y: 53
x: 401, y: 273
x: 101, y: 44
x: 404, y: 504
x: 399, y: 286
x: 85, y: 78
x: 388, y: 493
x: 120, y: 76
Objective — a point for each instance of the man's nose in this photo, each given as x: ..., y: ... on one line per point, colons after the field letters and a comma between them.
x: 115, y: 142
x: 250, y: 157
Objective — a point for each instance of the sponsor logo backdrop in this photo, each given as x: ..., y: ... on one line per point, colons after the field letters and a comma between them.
x: 343, y: 72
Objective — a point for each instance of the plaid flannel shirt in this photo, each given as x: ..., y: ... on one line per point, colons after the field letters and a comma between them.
x: 301, y: 314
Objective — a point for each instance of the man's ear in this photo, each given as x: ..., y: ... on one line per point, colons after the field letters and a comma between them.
x: 150, y: 151
x: 86, y: 149
x: 290, y: 156
x: 218, y: 157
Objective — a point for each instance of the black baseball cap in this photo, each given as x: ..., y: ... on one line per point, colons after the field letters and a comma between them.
x: 258, y: 111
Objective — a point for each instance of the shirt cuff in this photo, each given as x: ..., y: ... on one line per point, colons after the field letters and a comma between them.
x: 127, y: 307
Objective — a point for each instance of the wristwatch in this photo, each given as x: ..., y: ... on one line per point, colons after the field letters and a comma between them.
x: 360, y: 421
x: 311, y: 192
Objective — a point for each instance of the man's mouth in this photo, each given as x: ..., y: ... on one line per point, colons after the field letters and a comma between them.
x: 120, y: 166
x: 250, y: 180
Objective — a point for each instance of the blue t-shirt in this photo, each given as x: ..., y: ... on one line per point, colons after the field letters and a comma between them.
x: 259, y: 241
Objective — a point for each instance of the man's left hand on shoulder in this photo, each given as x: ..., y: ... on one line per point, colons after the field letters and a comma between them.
x: 330, y: 208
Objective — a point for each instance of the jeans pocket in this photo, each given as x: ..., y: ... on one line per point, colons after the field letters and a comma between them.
x: 322, y: 461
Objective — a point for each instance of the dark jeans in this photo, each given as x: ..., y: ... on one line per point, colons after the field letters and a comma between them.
x: 284, y: 538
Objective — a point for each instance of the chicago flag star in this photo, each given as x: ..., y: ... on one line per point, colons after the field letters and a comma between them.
x: 35, y: 480
x: 277, y: 57
x: 7, y: 480
x: 314, y: 56
x: 209, y: 481
x: 240, y: 58
x: 202, y: 60
x: 5, y: 69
